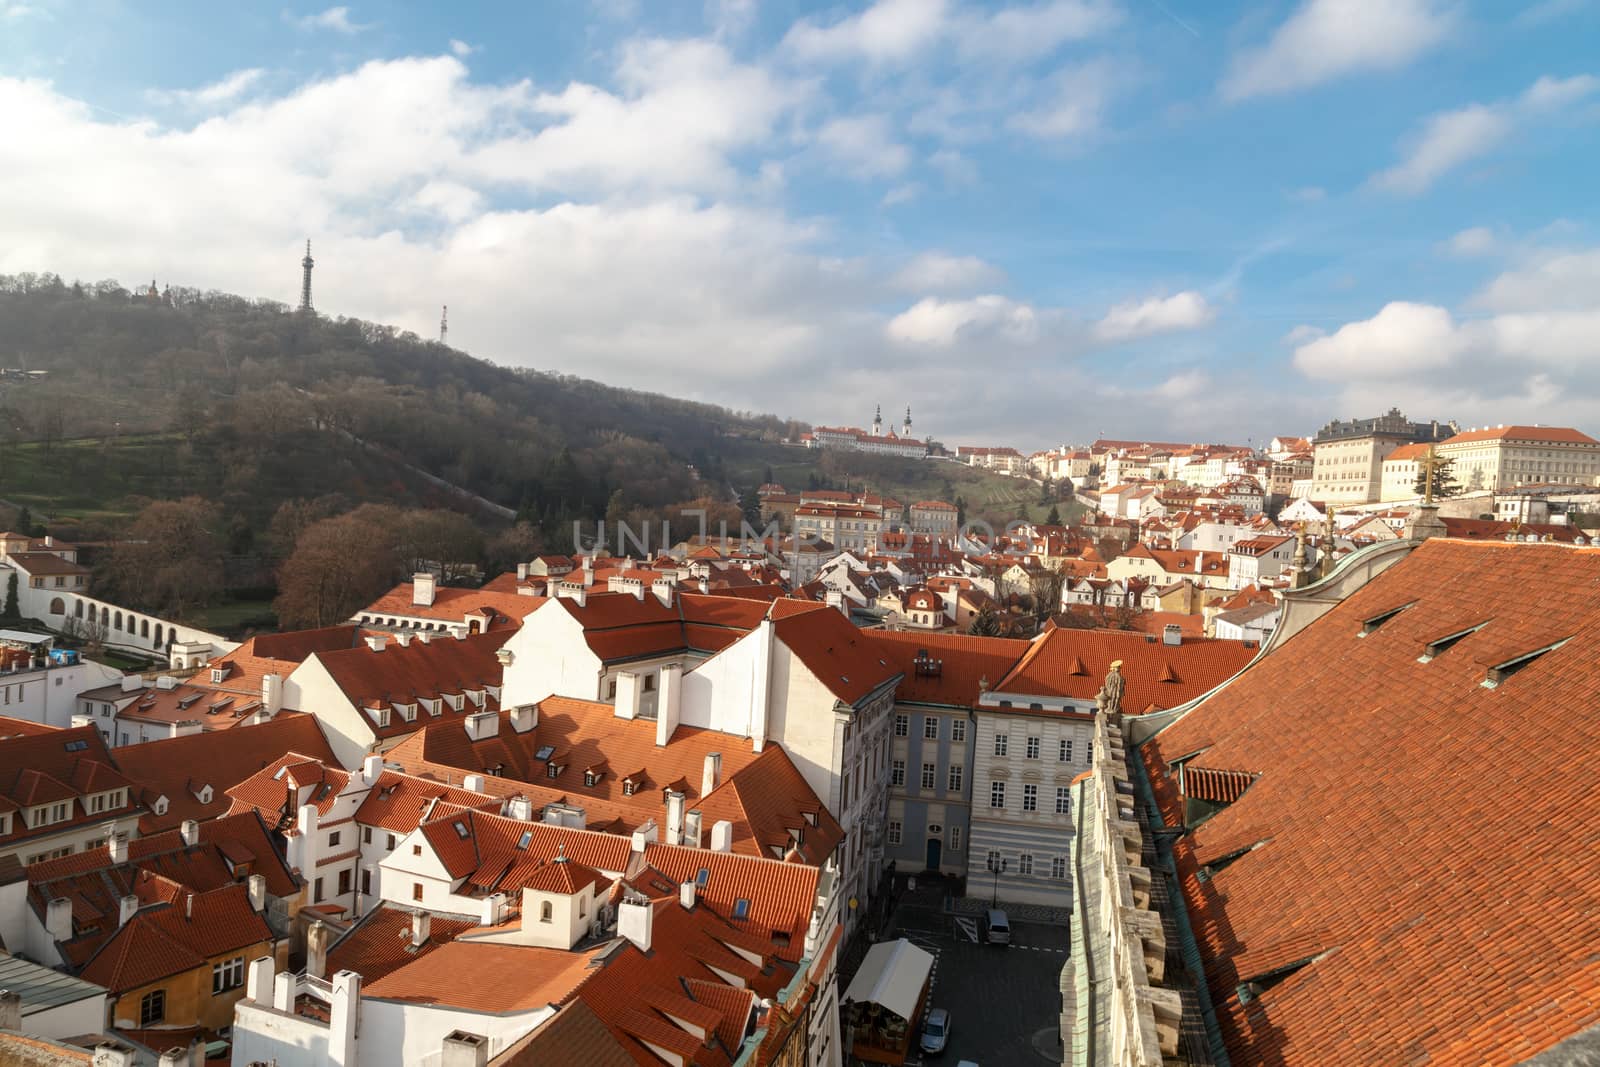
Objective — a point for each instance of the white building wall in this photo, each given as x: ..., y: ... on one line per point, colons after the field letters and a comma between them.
x: 393, y: 1032
x: 311, y: 689
x: 550, y: 656
x: 50, y: 694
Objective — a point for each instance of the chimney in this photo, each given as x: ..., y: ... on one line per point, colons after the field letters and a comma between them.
x: 421, y: 927
x: 58, y: 919
x: 377, y: 641
x: 670, y: 704
x: 188, y: 906
x: 403, y: 639
x: 1172, y: 634
x: 686, y: 895
x: 504, y: 656
x: 722, y: 836
x: 628, y: 695
x: 494, y: 909
x: 10, y: 1010
x: 482, y: 725
x: 117, y: 848
x: 344, y: 1015
x: 190, y: 831
x: 372, y: 769
x: 835, y: 599
x: 317, y: 949
x: 461, y: 1049
x: 674, y: 817
x: 519, y: 807
x: 472, y: 783
x: 258, y: 893
x: 132, y: 683
x: 522, y: 572
x: 635, y: 918
x: 663, y: 589
x: 127, y: 908
x: 271, y: 694
x: 422, y: 589
x: 258, y: 981
x: 691, y: 828
x: 711, y: 776
x: 587, y: 573
x: 644, y: 835
x: 524, y: 717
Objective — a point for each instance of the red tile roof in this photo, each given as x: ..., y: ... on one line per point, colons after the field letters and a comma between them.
x: 401, y: 674
x: 381, y: 943
x: 839, y: 654
x: 170, y: 939
x: 453, y: 605
x: 963, y: 662
x: 780, y: 895
x: 1541, y: 434
x: 1418, y: 834
x: 487, y: 977
x: 774, y: 812
x: 1155, y: 674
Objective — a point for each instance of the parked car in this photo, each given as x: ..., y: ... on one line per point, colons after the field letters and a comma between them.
x: 935, y: 1030
x: 996, y: 927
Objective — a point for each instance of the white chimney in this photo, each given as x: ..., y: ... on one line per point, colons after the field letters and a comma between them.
x: 421, y: 927
x: 691, y: 828
x: 58, y: 919
x: 644, y: 835
x: 1172, y: 634
x: 271, y: 694
x: 258, y: 980
x: 722, y: 836
x: 132, y: 683
x: 669, y: 704
x: 711, y: 775
x: 634, y: 922
x: 482, y: 725
x: 403, y: 639
x: 494, y: 909
x: 422, y: 589
x: 629, y: 695
x: 504, y: 656
x: 663, y: 588
x: 117, y: 848
x: 674, y: 817
x: 686, y: 895
x: 372, y: 769
x: 190, y: 830
x: 464, y: 1049
x: 835, y: 599
x: 522, y: 572
x: 377, y: 641
x: 519, y: 807
x: 127, y: 908
x: 472, y: 783
x: 524, y: 717
x: 257, y: 888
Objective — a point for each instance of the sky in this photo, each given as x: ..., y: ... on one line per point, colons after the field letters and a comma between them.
x: 1033, y: 223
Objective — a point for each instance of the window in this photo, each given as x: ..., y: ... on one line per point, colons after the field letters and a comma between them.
x: 1030, y: 798
x: 958, y: 729
x: 611, y: 689
x: 1064, y: 755
x: 955, y: 778
x: 344, y: 882
x: 955, y: 839
x: 994, y: 860
x: 1001, y: 741
x: 153, y: 1007
x: 649, y: 683
x: 997, y: 794
x: 366, y: 835
x: 929, y: 771
x: 229, y: 974
x: 333, y: 838
x: 1058, y: 867
x: 1033, y: 748
x: 894, y: 831
x: 392, y: 842
x: 546, y: 912
x: 317, y: 891
x: 416, y: 891
x: 897, y: 772
x: 366, y: 883
x: 741, y: 908
x: 702, y: 877
x: 1088, y: 751
x: 935, y: 829
x: 1025, y: 863
x: 1063, y: 800
x: 930, y: 728
x: 902, y: 725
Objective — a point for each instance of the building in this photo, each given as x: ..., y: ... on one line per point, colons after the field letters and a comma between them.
x: 849, y: 527
x: 1033, y: 736
x: 1004, y: 459
x: 1259, y: 559
x: 60, y: 792
x: 1347, y: 456
x: 934, y: 517
x: 1310, y: 891
x: 1503, y: 457
x: 877, y: 441
x: 930, y: 779
x: 41, y: 683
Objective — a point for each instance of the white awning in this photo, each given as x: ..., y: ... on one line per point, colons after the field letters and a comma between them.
x: 18, y: 637
x: 893, y: 975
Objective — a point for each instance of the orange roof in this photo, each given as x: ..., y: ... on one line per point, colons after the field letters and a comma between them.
x: 1419, y: 854
x: 574, y: 1034
x: 380, y: 943
x: 963, y: 662
x: 172, y: 938
x: 841, y: 656
x: 487, y: 977
x: 1411, y: 452
x: 1155, y: 674
x: 773, y: 810
x: 1543, y: 434
x: 404, y: 673
x: 778, y: 896
x: 451, y: 604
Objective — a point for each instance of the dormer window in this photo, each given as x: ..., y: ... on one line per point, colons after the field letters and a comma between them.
x: 553, y: 770
x: 218, y: 674
x: 590, y: 777
x: 628, y: 787
x: 741, y: 908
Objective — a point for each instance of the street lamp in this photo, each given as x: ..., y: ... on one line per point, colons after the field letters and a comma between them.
x: 997, y: 866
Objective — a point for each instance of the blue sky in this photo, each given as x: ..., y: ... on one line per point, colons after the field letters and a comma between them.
x: 1030, y: 221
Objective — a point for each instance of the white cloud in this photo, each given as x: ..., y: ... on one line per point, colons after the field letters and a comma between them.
x: 941, y: 323
x: 864, y: 146
x: 1446, y: 142
x: 1327, y: 39
x: 1475, y: 241
x: 1451, y: 138
x: 336, y: 19
x: 1020, y: 34
x: 903, y: 193
x: 957, y: 169
x: 1185, y: 385
x: 461, y: 49
x: 730, y: 18
x: 889, y: 31
x: 218, y: 93
x: 938, y: 272
x: 1565, y: 281
x: 1076, y: 101
x: 1143, y: 318
x: 1401, y: 339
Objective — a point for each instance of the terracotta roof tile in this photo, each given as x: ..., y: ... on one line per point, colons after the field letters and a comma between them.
x: 1155, y: 674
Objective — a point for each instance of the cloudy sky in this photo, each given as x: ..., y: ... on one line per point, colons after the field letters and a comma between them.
x: 1032, y: 222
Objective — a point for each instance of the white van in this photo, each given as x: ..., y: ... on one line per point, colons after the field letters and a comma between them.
x: 996, y: 927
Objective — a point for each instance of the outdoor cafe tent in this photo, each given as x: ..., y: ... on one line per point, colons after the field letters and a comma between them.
x: 893, y: 975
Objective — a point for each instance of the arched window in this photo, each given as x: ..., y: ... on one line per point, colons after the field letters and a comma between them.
x: 546, y: 912
x: 144, y: 628
x: 116, y: 621
x: 105, y: 618
x: 158, y: 635
x: 77, y: 608
x: 58, y: 606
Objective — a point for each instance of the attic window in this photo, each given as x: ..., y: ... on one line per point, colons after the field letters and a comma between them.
x: 544, y: 753
x: 590, y: 777
x: 1500, y: 672
x: 628, y: 787
x: 281, y: 772
x: 741, y: 908
x: 460, y: 829
x: 218, y: 674
x: 75, y: 746
x: 1378, y: 620
x: 553, y: 770
x: 1444, y: 644
x: 702, y: 876
x: 522, y: 842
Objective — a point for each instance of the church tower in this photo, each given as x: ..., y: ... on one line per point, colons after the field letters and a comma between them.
x: 905, y: 431
x: 305, y: 280
x: 877, y: 421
